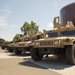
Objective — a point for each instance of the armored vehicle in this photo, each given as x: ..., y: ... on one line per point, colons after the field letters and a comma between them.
x: 11, y: 46
x: 61, y: 40
x: 26, y: 44
x: 22, y: 45
x: 1, y: 41
x: 4, y: 45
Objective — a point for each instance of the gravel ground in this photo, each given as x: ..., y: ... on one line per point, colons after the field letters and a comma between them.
x: 10, y: 64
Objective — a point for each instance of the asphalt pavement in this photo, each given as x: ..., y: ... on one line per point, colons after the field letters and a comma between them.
x: 11, y: 64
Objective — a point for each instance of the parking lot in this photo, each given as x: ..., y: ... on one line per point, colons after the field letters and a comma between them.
x: 11, y: 64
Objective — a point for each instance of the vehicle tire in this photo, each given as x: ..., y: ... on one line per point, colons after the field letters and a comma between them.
x: 35, y: 54
x: 61, y: 53
x: 18, y: 52
x: 10, y: 50
x: 3, y: 48
x: 70, y: 54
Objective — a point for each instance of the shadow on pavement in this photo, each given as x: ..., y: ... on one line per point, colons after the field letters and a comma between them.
x: 3, y: 50
x: 31, y: 64
x: 51, y: 63
x: 21, y: 55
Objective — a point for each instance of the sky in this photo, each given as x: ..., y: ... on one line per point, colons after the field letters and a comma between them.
x: 13, y: 14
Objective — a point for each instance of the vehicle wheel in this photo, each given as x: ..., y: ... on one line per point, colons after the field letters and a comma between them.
x: 61, y: 53
x: 10, y: 50
x: 35, y: 54
x: 70, y: 54
x: 18, y: 52
x: 3, y: 48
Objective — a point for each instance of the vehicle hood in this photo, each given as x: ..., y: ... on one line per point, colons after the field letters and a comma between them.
x: 57, y: 38
x: 24, y: 42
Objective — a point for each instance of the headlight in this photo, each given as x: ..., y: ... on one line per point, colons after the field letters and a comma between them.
x: 56, y: 43
x: 37, y: 43
x: 46, y: 35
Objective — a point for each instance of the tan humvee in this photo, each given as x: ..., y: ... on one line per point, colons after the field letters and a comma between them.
x: 59, y: 41
x: 4, y: 45
x: 26, y: 44
x: 11, y: 46
x: 22, y: 46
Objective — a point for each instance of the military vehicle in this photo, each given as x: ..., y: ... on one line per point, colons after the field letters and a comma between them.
x: 11, y: 46
x: 1, y: 41
x: 26, y: 44
x: 22, y: 45
x: 60, y: 40
x: 4, y: 45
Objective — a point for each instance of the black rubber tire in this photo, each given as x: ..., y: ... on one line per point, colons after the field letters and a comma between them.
x: 35, y: 54
x: 70, y: 54
x: 10, y: 50
x: 3, y: 48
x: 61, y: 53
x: 17, y: 52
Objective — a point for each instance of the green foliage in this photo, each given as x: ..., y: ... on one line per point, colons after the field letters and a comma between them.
x: 27, y: 27
x: 34, y: 26
x: 17, y: 37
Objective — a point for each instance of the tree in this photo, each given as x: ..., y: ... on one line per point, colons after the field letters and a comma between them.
x: 27, y: 27
x: 17, y: 37
x: 34, y: 26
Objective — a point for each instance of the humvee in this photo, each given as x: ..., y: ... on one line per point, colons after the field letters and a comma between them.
x: 4, y: 45
x: 59, y: 41
x: 26, y: 44
x: 22, y: 45
x: 11, y: 46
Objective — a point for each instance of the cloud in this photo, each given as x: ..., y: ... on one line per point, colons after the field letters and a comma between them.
x: 13, y: 25
x: 3, y: 21
x: 55, y: 4
x: 5, y: 12
x: 4, y: 16
x: 50, y: 26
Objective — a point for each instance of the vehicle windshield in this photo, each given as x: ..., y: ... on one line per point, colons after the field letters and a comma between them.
x: 27, y: 39
x: 34, y: 38
x: 51, y: 34
x: 37, y: 37
x: 68, y: 33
